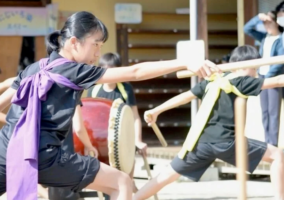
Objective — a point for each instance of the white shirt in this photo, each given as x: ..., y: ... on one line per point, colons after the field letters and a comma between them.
x: 267, y: 46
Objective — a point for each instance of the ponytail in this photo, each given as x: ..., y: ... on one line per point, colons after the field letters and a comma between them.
x: 52, y: 42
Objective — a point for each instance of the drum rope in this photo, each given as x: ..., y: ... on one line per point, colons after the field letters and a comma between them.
x: 116, y: 135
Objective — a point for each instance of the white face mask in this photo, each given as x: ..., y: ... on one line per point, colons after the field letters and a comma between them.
x: 280, y: 21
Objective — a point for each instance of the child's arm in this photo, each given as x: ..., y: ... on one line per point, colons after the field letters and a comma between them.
x: 274, y: 82
x: 250, y: 28
x: 6, y: 98
x: 6, y: 84
x: 81, y: 132
x: 150, y: 116
x: 149, y: 70
x: 277, y: 68
x: 2, y: 117
x: 138, y: 131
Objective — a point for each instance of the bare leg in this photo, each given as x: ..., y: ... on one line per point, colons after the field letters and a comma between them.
x: 42, y: 192
x: 154, y: 185
x: 112, y: 182
x: 134, y: 188
x: 276, y: 157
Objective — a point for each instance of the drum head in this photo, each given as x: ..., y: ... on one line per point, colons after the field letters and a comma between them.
x: 121, y: 137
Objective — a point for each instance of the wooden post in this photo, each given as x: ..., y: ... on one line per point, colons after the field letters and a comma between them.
x: 10, y: 53
x: 241, y: 146
x: 40, y: 48
x: 119, y: 41
x: 200, y: 34
x: 202, y: 27
x: 250, y: 10
x: 241, y: 35
x: 122, y: 43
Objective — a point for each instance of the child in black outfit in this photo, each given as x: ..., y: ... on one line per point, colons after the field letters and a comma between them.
x: 44, y: 98
x: 217, y: 138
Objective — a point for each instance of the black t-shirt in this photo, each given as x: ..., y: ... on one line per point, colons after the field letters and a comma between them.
x: 115, y: 94
x: 67, y: 143
x: 58, y: 109
x: 221, y: 124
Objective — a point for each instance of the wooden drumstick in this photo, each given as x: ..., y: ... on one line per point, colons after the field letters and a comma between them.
x: 241, y: 146
x: 159, y: 134
x: 100, y: 194
x: 148, y: 172
x: 256, y: 63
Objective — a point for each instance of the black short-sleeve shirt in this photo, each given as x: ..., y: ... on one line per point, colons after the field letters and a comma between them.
x: 115, y: 94
x: 221, y: 125
x: 58, y: 109
x: 67, y: 143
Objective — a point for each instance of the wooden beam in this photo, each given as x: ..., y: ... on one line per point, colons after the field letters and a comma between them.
x: 250, y: 10
x: 21, y: 3
x: 202, y: 24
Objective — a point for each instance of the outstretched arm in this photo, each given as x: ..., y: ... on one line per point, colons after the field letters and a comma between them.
x: 274, y: 82
x: 184, y: 98
x: 149, y: 70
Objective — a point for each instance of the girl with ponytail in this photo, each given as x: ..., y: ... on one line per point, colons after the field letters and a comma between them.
x: 44, y: 97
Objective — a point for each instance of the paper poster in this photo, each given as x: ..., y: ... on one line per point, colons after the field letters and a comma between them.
x: 25, y: 21
x: 128, y: 13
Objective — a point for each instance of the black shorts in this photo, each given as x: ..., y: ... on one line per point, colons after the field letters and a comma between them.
x: 195, y: 163
x: 58, y: 168
x: 55, y: 193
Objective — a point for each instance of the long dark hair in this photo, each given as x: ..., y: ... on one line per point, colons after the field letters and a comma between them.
x: 79, y: 25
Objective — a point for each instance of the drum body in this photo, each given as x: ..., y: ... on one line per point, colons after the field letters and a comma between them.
x: 110, y: 126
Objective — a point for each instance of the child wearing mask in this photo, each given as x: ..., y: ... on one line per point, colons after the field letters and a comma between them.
x: 271, y: 45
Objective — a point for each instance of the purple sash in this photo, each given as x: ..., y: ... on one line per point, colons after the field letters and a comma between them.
x: 22, y: 152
